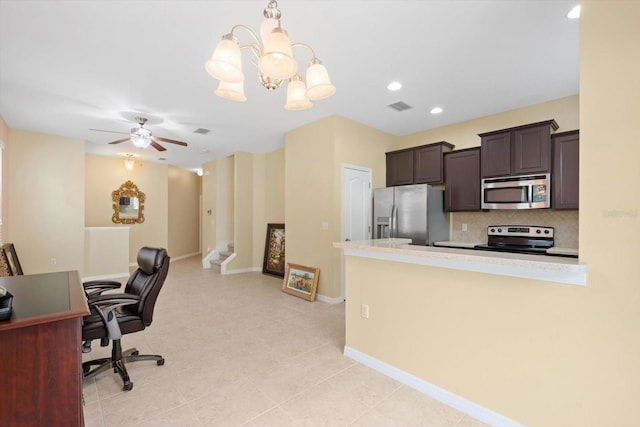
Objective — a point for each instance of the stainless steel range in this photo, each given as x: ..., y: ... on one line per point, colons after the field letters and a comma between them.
x: 522, y: 239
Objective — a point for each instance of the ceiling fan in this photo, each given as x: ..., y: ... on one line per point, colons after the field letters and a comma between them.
x: 141, y: 137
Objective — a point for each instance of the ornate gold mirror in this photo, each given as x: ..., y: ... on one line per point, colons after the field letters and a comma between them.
x: 128, y: 204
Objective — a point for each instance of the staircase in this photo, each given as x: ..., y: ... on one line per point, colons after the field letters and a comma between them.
x: 216, y: 264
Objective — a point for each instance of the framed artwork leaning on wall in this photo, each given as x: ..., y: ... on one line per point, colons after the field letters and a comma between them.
x: 274, y: 251
x: 301, y: 281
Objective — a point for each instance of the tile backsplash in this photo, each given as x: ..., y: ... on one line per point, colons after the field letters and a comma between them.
x: 564, y: 222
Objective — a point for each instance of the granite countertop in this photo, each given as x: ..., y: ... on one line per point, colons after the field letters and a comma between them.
x: 551, y: 269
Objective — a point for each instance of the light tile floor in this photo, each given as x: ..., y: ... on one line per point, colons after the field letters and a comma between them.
x: 239, y: 352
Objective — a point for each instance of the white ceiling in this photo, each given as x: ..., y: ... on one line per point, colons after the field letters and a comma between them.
x: 69, y: 66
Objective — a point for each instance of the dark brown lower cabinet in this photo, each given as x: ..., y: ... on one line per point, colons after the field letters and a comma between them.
x: 462, y: 180
x: 565, y: 176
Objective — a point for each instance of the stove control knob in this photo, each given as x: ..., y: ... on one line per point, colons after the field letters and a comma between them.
x: 493, y: 230
x: 499, y: 230
x: 538, y: 231
x: 546, y: 231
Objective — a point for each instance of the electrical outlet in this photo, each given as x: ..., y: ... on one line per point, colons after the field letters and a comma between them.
x: 53, y: 261
x: 364, y: 311
x: 464, y: 227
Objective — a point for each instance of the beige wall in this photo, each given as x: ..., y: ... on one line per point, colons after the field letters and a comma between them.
x: 184, y: 212
x: 4, y: 146
x: 45, y: 190
x: 565, y: 111
x: 268, y: 196
x: 106, y: 174
x: 245, y: 192
x: 225, y: 201
x: 610, y: 209
x: 540, y: 353
x: 209, y: 206
x: 243, y: 212
x: 309, y: 199
x: 314, y: 156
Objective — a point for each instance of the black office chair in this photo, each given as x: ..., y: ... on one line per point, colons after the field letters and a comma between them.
x: 116, y: 314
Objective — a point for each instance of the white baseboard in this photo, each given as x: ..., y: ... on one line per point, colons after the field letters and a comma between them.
x: 184, y: 256
x: 463, y: 405
x: 330, y: 300
x: 243, y: 270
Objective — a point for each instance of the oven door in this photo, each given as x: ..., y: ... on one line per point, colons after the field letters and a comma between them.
x: 519, y: 192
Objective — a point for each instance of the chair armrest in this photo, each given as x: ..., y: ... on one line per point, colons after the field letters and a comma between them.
x: 106, y: 304
x: 93, y: 288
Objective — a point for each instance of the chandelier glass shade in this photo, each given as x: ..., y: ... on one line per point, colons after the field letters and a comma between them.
x: 296, y: 95
x: 231, y: 91
x: 226, y: 62
x: 272, y: 53
x: 277, y: 59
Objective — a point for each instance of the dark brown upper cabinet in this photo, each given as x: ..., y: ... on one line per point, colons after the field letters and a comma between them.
x: 565, y: 173
x: 428, y: 163
x: 517, y: 151
x: 417, y: 165
x: 462, y: 180
x: 400, y: 167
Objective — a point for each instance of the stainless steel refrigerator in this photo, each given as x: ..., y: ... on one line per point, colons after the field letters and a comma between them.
x: 413, y: 212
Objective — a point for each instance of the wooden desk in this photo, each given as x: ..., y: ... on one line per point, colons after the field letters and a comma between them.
x: 40, y: 356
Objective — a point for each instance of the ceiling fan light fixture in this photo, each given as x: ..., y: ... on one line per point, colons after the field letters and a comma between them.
x: 141, y: 138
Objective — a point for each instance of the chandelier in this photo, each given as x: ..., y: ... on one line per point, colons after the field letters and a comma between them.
x: 272, y: 54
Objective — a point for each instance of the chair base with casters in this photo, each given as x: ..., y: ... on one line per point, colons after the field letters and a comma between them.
x: 116, y: 314
x: 118, y: 361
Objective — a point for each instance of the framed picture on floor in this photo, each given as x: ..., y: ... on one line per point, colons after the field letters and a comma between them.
x: 274, y: 246
x: 301, y: 281
x: 11, y: 258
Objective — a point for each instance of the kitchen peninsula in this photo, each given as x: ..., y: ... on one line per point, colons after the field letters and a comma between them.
x: 545, y: 268
x: 434, y: 317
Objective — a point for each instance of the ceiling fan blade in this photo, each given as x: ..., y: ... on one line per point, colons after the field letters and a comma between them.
x: 110, y: 131
x: 172, y: 141
x: 157, y: 146
x: 120, y: 140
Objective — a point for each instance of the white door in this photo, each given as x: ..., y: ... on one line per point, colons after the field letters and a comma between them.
x: 356, y: 207
x: 356, y: 203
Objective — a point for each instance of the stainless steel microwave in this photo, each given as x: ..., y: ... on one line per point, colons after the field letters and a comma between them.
x: 517, y: 192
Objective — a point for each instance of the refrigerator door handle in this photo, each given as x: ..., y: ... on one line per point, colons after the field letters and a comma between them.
x: 393, y: 232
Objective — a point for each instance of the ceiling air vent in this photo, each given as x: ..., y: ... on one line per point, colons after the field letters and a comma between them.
x: 400, y: 106
x: 202, y: 131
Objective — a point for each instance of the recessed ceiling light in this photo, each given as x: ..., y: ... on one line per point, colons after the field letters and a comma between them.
x: 574, y: 13
x: 394, y: 86
x: 436, y: 110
